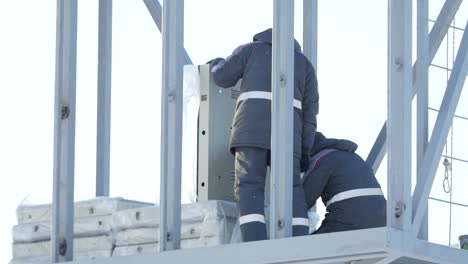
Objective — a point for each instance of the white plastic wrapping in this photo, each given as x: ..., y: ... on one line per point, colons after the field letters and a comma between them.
x: 86, y: 226
x: 313, y: 220
x: 191, y: 104
x: 77, y: 256
x: 100, y: 243
x: 153, y: 247
x: 93, y: 207
x: 202, y: 220
x: 191, y: 213
x: 217, y: 230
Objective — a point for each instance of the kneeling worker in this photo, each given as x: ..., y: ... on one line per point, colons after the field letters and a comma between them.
x: 347, y: 185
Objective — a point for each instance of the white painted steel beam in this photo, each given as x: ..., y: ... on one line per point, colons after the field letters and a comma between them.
x: 171, y: 124
x: 376, y: 245
x: 438, y: 253
x: 439, y: 133
x: 104, y: 98
x: 399, y: 115
x: 64, y: 132
x: 155, y: 10
x: 422, y: 85
x: 436, y: 36
x: 310, y: 28
x: 342, y: 247
x: 282, y: 123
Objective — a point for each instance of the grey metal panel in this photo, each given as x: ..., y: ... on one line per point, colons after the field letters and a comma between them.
x: 436, y: 36
x: 439, y: 135
x: 155, y: 9
x: 282, y: 123
x: 422, y: 85
x: 104, y: 98
x: 399, y: 114
x: 215, y: 179
x: 171, y: 124
x: 64, y: 131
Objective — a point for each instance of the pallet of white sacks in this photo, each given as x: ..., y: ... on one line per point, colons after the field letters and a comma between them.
x: 220, y: 231
x: 207, y: 223
x: 190, y: 213
x: 106, y: 227
x: 42, y: 248
x: 92, y: 226
x: 82, y: 227
x: 93, y: 207
x: 153, y: 247
x: 77, y: 256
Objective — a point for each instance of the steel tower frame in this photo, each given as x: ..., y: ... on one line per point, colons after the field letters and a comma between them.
x: 402, y: 241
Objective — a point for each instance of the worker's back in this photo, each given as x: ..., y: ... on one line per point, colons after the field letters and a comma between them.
x: 252, y: 122
x: 347, y: 186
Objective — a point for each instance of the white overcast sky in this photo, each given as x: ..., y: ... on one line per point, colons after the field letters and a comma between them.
x: 352, y: 75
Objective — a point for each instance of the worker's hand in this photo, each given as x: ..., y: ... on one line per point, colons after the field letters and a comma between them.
x: 305, y: 159
x: 213, y: 62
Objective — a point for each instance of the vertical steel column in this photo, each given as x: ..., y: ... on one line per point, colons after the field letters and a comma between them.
x: 399, y: 115
x: 64, y: 132
x: 154, y: 7
x: 310, y: 28
x: 422, y: 85
x: 439, y: 133
x: 104, y: 98
x: 171, y: 124
x: 436, y: 36
x: 282, y: 124
x: 309, y: 35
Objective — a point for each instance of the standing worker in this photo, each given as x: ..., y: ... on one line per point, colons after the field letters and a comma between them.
x: 347, y: 185
x: 251, y: 128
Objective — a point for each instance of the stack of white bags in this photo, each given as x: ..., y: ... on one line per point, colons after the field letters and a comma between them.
x: 106, y: 227
x: 203, y: 224
x: 92, y: 230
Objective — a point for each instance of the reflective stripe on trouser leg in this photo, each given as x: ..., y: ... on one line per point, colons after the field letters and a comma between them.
x: 300, y: 219
x: 250, y: 169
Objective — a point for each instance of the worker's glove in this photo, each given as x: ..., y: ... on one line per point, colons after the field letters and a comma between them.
x: 305, y: 159
x: 213, y: 62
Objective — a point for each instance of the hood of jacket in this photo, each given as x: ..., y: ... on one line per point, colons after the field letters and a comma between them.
x: 321, y: 143
x: 266, y: 36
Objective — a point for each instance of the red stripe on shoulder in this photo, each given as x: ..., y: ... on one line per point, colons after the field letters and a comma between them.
x: 238, y: 52
x: 319, y: 160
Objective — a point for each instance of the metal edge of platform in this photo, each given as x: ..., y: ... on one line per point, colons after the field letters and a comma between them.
x: 326, y: 248
x: 377, y: 245
x: 443, y: 254
x: 404, y: 245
